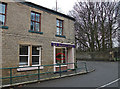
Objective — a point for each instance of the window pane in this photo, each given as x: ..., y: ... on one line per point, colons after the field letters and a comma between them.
x: 35, y: 50
x: 2, y: 8
x: 32, y: 16
x: 64, y: 61
x: 60, y: 55
x: 37, y: 27
x: 57, y: 22
x: 23, y: 60
x: 63, y: 56
x: 58, y: 31
x: 35, y: 60
x: 58, y: 61
x: 2, y: 19
x: 32, y: 25
x: 23, y: 50
x: 61, y: 23
x: 38, y: 17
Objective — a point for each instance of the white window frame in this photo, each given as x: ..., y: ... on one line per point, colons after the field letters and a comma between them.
x: 24, y: 56
x: 30, y: 56
x: 39, y: 57
x: 30, y: 68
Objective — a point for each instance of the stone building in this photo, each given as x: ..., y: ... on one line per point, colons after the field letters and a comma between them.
x: 33, y: 35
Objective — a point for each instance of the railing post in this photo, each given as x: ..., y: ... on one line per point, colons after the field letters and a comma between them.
x: 60, y: 69
x: 75, y: 67
x: 10, y: 75
x: 86, y: 67
x: 38, y: 72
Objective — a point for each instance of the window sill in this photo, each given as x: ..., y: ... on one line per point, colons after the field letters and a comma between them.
x: 28, y: 68
x: 4, y: 27
x: 35, y: 32
x: 60, y: 36
x: 61, y: 66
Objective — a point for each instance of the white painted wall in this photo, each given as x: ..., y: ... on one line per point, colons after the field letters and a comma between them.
x: 71, y: 58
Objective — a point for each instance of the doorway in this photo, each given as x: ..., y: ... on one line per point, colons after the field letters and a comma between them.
x: 63, y: 55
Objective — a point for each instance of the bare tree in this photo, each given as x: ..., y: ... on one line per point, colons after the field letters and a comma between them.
x: 96, y: 24
x: 118, y: 6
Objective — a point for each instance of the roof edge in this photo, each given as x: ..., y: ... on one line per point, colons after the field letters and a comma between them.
x: 47, y: 10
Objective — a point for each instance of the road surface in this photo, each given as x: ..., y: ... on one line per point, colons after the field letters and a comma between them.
x: 105, y: 75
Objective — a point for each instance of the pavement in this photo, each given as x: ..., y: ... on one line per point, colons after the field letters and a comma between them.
x: 105, y: 75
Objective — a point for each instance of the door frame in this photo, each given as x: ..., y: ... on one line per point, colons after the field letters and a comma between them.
x: 54, y: 55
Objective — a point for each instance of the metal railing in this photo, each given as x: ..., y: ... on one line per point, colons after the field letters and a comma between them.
x: 59, y: 73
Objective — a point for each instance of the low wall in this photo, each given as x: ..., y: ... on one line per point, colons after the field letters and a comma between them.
x: 101, y: 56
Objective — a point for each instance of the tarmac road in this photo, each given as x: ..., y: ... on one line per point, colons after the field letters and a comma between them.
x: 105, y: 75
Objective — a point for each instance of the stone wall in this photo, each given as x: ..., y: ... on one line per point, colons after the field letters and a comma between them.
x: 101, y: 56
x: 18, y: 20
x: 0, y: 55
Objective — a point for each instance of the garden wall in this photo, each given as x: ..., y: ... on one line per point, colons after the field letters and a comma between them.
x: 101, y: 56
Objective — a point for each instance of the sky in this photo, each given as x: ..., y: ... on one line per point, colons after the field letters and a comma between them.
x: 64, y: 5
